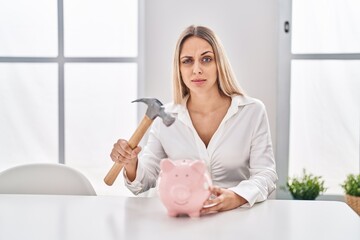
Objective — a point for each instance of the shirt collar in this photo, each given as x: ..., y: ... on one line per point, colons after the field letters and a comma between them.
x: 236, y: 101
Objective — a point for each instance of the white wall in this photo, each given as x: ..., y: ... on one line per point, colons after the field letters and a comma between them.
x: 247, y: 28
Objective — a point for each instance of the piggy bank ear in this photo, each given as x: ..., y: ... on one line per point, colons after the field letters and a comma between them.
x: 199, y: 166
x: 166, y: 165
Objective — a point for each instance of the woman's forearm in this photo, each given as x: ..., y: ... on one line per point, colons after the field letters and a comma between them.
x: 131, y: 170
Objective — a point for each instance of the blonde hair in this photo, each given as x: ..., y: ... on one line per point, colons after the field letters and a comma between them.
x: 227, y: 82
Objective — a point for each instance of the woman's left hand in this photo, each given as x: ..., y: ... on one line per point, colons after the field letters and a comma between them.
x: 223, y: 200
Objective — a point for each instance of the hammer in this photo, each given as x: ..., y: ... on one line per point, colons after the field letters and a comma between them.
x: 155, y: 109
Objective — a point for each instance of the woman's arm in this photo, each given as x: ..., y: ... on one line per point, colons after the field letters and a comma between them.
x: 147, y: 167
x: 263, y: 177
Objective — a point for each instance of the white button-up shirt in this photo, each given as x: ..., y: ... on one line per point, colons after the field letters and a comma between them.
x: 239, y: 155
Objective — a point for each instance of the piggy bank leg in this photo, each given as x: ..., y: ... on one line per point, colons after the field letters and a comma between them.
x: 194, y: 214
x: 172, y: 213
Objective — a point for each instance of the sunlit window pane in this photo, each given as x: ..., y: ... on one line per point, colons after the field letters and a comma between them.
x: 28, y: 28
x: 325, y: 26
x: 98, y: 111
x: 324, y: 119
x: 96, y: 28
x: 29, y: 113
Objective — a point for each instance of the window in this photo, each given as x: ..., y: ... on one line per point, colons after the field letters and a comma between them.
x: 68, y: 74
x: 321, y: 55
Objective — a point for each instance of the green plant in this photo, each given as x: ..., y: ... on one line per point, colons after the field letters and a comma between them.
x: 351, y: 185
x: 308, y: 187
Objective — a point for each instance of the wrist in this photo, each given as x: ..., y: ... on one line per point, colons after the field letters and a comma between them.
x: 130, y: 169
x: 240, y: 200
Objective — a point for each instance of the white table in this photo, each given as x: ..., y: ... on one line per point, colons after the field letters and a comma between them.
x: 104, y: 217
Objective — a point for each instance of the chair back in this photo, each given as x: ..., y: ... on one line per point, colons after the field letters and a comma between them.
x: 44, y: 178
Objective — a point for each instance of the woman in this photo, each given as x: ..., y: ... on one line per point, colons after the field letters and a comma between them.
x: 215, y: 122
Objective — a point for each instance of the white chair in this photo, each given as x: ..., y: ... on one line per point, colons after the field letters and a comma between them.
x: 45, y: 178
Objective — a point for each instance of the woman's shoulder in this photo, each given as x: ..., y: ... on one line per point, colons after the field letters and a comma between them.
x: 243, y: 100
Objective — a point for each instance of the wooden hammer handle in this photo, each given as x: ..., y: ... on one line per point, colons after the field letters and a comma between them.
x: 133, y: 142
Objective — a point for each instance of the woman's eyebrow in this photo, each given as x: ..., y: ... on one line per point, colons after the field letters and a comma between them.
x: 206, y: 52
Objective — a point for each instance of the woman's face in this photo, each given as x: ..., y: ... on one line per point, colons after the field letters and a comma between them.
x: 198, y: 66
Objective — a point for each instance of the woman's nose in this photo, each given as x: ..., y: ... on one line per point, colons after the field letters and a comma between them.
x: 197, y: 68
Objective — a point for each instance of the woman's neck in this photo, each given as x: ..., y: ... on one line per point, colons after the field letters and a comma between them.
x: 207, y: 103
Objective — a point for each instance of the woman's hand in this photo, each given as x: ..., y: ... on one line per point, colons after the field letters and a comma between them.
x: 223, y: 200
x: 122, y: 153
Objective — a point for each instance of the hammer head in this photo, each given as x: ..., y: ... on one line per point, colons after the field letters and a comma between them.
x: 156, y: 109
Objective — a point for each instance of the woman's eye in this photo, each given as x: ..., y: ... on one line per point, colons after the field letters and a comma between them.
x: 187, y: 61
x: 207, y: 59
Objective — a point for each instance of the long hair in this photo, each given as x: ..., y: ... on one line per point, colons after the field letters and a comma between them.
x: 227, y: 82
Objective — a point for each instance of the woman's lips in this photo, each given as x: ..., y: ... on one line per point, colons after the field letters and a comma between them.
x: 198, y: 80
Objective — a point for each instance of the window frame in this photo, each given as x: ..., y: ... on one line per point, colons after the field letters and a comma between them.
x: 283, y: 100
x: 61, y: 60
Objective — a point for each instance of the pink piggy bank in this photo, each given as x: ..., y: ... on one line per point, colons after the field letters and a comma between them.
x: 183, y: 186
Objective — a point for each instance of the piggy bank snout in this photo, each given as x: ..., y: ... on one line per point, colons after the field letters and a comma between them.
x: 180, y: 193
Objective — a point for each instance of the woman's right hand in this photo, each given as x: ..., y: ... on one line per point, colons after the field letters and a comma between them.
x: 122, y: 153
